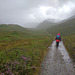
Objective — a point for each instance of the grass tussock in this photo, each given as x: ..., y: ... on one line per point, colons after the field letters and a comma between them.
x: 69, y: 42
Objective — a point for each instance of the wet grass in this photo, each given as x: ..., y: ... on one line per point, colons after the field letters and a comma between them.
x: 22, y: 54
x: 69, y: 42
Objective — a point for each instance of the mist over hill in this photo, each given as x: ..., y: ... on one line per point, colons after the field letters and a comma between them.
x: 46, y: 24
x: 64, y: 27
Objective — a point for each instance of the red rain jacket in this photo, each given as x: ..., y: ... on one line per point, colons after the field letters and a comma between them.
x: 59, y: 38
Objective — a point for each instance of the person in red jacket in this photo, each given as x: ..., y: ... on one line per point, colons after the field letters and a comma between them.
x: 58, y: 39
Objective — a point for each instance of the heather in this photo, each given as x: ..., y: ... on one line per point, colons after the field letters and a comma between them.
x: 22, y: 54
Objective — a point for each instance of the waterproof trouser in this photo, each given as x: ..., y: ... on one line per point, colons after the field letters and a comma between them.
x: 57, y: 44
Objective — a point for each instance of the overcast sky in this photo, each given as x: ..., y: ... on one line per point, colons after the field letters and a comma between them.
x: 31, y: 11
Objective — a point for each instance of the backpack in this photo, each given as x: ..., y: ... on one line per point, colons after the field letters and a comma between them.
x: 58, y: 37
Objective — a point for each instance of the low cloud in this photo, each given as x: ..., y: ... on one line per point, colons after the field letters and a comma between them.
x: 34, y: 11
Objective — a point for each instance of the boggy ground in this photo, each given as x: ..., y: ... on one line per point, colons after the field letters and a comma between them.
x: 57, y: 62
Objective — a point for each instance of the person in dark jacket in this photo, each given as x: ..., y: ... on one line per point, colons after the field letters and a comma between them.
x: 58, y: 39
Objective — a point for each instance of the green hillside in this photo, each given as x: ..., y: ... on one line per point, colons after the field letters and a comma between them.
x: 65, y: 28
x: 12, y: 27
x: 11, y: 30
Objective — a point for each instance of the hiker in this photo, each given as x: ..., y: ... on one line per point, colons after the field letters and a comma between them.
x: 58, y: 39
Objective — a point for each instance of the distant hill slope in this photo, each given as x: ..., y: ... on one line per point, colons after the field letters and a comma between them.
x: 13, y: 29
x: 65, y: 28
x: 45, y: 24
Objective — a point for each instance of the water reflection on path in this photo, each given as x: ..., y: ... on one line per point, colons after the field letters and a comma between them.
x: 57, y: 62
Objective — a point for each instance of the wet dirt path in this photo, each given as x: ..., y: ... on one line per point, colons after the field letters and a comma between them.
x: 57, y: 62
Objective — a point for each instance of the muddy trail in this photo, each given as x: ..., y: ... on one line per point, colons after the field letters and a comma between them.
x: 57, y: 62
